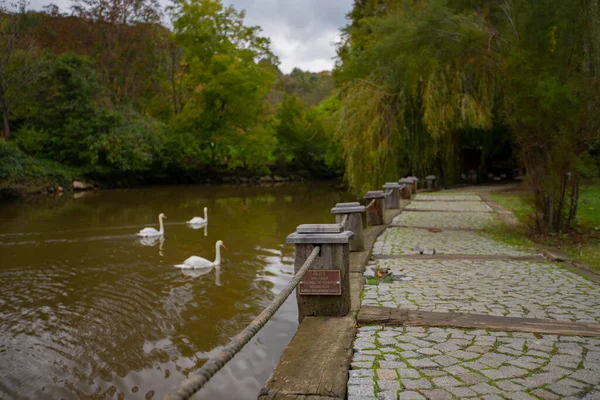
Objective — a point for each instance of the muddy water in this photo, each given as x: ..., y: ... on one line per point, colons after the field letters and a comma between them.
x: 89, y: 311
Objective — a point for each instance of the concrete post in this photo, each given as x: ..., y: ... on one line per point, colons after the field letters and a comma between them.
x: 375, y: 213
x: 353, y: 223
x: 392, y: 201
x: 406, y: 190
x: 325, y: 289
x: 431, y: 182
x: 415, y: 183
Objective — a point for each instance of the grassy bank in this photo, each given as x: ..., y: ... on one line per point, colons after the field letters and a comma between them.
x: 583, y: 242
x: 22, y: 175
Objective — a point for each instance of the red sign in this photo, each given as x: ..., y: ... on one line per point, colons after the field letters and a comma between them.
x: 321, y: 282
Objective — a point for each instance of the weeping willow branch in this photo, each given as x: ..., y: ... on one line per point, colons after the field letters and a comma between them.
x: 369, y: 129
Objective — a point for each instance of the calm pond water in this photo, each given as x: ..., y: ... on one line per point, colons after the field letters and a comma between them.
x: 87, y: 311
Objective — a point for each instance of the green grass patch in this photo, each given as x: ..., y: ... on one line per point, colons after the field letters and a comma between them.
x: 582, y: 243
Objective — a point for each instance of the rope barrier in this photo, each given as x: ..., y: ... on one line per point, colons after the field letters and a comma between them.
x: 371, y: 203
x: 194, y: 383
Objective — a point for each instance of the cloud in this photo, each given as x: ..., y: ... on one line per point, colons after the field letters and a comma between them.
x: 302, y: 32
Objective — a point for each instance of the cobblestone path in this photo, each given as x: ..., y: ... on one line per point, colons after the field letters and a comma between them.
x: 448, y: 363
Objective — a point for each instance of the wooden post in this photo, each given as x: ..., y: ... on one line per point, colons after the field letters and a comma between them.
x: 392, y: 201
x: 415, y: 183
x: 375, y: 213
x: 353, y: 223
x: 407, y: 185
x: 329, y: 274
x: 431, y: 182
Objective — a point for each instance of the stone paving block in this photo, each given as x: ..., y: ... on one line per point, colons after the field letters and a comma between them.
x: 437, y: 394
x: 410, y: 395
x: 387, y: 374
x: 389, y: 385
x: 423, y: 363
x: 408, y: 373
x: 445, y: 381
x: 484, y: 388
x: 412, y: 384
x: 519, y: 396
x: 361, y: 390
x: 504, y: 372
x: 544, y: 394
x: 352, y: 397
x: 388, y: 395
x: 461, y: 391
x: 508, y: 386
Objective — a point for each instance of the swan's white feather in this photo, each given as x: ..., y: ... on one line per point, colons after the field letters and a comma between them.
x: 196, y: 221
x: 195, y: 262
x: 148, y: 232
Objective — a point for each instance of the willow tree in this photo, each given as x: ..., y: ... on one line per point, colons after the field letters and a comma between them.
x: 552, y: 94
x: 461, y: 67
x: 417, y: 79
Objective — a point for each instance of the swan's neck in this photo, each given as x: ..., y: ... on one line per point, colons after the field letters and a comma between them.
x: 161, y: 226
x: 206, y: 215
x: 218, y: 259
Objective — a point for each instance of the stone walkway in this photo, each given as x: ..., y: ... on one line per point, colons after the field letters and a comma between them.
x: 446, y: 363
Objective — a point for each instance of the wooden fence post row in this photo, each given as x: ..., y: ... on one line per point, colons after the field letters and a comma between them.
x: 325, y: 289
x: 376, y: 210
x: 407, y: 188
x: 392, y: 201
x: 415, y: 183
x: 352, y: 212
x: 432, y: 182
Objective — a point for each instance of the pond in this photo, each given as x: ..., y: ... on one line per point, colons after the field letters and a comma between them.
x: 88, y: 310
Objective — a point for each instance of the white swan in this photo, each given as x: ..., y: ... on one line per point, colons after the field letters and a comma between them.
x: 147, y: 232
x: 195, y: 262
x: 199, y: 220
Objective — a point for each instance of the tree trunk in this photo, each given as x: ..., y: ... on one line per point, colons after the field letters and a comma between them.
x: 5, y: 124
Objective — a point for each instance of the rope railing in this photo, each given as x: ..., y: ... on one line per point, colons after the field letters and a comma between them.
x: 371, y: 203
x: 193, y: 384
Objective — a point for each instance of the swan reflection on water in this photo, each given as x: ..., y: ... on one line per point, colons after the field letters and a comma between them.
x: 198, y: 226
x: 197, y: 273
x: 153, y: 241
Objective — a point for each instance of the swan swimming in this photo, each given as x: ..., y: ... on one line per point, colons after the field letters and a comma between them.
x: 148, y: 232
x: 195, y: 262
x: 199, y: 220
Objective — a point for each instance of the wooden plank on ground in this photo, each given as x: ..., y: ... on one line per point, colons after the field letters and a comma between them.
x: 397, y: 316
x: 315, y: 364
x: 441, y: 257
x: 432, y: 227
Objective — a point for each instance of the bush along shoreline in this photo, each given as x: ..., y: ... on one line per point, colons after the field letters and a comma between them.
x: 22, y: 175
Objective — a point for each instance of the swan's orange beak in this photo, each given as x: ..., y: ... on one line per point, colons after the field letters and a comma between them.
x: 165, y: 217
x: 223, y: 246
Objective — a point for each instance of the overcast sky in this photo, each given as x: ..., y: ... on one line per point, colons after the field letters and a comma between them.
x: 302, y: 32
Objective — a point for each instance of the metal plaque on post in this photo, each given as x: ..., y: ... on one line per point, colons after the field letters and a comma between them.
x: 321, y: 283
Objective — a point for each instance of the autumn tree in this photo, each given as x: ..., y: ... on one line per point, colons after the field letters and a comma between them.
x: 16, y: 56
x: 127, y: 35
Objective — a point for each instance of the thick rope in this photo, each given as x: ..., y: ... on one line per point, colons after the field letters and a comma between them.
x: 371, y: 203
x: 194, y: 383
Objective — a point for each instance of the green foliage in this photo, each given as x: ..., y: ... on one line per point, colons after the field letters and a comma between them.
x: 425, y: 80
x: 306, y: 138
x: 23, y: 174
x: 125, y: 99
